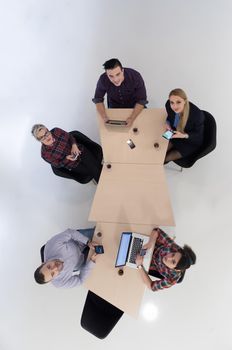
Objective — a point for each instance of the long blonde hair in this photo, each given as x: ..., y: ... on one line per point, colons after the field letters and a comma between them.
x: 184, y: 116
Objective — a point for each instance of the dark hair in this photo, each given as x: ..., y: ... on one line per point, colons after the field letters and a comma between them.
x: 39, y: 277
x: 112, y: 63
x: 188, y: 258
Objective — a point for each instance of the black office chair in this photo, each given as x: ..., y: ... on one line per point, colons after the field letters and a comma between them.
x: 63, y: 172
x: 209, y: 143
x: 42, y: 253
x: 98, y: 316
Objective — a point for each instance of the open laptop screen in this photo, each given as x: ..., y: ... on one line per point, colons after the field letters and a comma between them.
x: 123, y: 249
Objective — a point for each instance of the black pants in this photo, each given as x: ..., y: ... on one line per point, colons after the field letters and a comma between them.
x: 88, y: 165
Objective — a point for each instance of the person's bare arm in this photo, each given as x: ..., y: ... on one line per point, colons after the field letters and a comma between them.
x: 136, y: 111
x: 102, y: 111
x: 152, y: 239
x: 146, y: 279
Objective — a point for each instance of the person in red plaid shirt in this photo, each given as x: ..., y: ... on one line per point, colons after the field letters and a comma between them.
x: 61, y: 150
x: 169, y: 261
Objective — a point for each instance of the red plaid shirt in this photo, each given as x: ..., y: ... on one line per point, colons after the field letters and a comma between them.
x: 163, y: 246
x: 61, y: 147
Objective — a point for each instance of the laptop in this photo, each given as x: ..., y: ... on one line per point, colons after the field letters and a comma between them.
x: 130, y: 245
x: 116, y: 122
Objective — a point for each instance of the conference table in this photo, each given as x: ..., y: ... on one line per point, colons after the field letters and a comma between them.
x: 132, y: 195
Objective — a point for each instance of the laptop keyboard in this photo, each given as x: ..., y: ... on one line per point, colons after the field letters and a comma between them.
x: 136, y: 247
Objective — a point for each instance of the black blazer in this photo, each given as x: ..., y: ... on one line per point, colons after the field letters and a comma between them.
x: 194, y: 126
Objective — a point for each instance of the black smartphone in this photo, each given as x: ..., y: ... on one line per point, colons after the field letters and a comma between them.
x: 99, y: 249
x: 130, y: 143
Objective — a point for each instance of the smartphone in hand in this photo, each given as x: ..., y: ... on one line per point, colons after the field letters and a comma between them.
x: 143, y: 252
x: 168, y: 134
x: 99, y: 249
x: 74, y: 156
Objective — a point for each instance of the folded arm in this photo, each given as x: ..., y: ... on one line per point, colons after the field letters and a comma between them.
x: 76, y: 280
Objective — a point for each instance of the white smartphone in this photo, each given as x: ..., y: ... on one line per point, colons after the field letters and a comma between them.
x: 168, y: 134
x: 74, y: 156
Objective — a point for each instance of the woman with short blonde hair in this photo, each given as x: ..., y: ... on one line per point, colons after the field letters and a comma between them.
x: 71, y: 154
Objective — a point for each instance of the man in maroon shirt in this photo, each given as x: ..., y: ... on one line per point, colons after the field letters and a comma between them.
x: 124, y: 87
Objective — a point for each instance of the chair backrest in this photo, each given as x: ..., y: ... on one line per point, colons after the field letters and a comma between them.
x: 42, y: 253
x: 210, y: 135
x: 208, y: 145
x: 99, y: 316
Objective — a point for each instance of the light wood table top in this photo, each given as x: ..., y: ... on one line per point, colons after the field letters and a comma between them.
x: 150, y: 125
x: 132, y: 193
x: 126, y: 291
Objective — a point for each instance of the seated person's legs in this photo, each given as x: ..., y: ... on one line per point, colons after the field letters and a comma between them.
x: 170, y: 146
x: 172, y: 155
x: 89, y: 165
x: 92, y: 164
x: 169, y: 156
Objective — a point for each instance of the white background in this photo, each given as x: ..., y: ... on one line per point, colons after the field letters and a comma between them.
x: 51, y: 57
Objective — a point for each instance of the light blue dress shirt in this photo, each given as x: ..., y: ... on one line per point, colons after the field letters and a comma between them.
x: 67, y: 246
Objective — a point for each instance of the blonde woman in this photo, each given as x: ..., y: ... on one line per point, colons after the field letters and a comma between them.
x: 187, y: 122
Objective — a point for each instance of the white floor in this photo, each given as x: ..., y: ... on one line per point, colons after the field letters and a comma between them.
x: 51, y: 56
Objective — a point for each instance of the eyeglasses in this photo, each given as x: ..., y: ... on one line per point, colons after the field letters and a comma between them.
x: 43, y: 138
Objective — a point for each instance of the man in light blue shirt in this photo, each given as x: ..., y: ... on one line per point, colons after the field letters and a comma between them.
x: 65, y: 255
